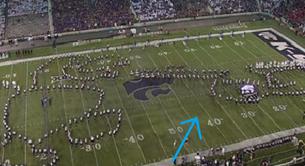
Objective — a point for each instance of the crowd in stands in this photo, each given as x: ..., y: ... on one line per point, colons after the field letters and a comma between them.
x: 26, y: 18
x: 147, y: 10
x: 2, y: 18
x: 26, y: 7
x: 191, y: 8
x: 72, y: 15
x: 297, y: 15
x: 269, y: 5
x: 233, y: 6
x: 292, y: 12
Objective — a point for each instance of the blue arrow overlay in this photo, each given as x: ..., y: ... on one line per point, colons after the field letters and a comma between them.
x: 194, y: 121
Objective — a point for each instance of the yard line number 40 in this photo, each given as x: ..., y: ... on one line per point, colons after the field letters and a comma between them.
x: 215, y: 122
x: 133, y: 139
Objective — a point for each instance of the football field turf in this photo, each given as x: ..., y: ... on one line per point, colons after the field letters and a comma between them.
x: 150, y: 129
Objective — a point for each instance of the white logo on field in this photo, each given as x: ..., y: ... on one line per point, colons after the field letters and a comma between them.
x: 268, y: 35
x: 299, y: 56
x: 281, y: 46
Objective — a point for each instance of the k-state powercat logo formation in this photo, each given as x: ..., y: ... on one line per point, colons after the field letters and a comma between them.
x: 142, y: 88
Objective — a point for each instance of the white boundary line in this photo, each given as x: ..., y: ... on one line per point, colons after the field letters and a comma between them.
x: 288, y: 39
x: 240, y: 145
x: 138, y: 45
x: 142, y: 44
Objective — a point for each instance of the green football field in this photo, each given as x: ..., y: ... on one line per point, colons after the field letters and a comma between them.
x: 150, y: 129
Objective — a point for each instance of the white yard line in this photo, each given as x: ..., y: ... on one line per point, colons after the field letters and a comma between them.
x: 154, y: 130
x: 224, y: 110
x: 87, y: 123
x: 132, y: 129
x: 166, y: 113
x: 112, y: 136
x: 181, y: 105
x: 264, y: 53
x: 176, y: 96
x: 12, y: 62
x: 228, y: 46
x: 26, y: 110
x: 64, y: 105
x: 139, y: 45
x: 270, y: 117
x: 115, y: 144
x: 203, y: 49
x: 202, y: 63
x: 258, y: 105
x: 299, y: 108
x: 150, y: 121
x: 9, y: 91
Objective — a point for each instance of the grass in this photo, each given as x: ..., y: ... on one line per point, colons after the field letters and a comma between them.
x: 145, y: 134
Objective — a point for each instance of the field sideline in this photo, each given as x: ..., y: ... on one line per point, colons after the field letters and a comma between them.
x: 150, y: 128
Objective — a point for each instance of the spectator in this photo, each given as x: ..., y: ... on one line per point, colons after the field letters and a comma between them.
x: 191, y: 8
x: 269, y: 5
x: 147, y: 10
x: 26, y: 7
x: 233, y: 6
x: 2, y: 18
x: 292, y: 12
x: 72, y: 15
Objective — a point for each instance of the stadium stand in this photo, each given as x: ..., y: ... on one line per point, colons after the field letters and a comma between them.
x: 292, y: 12
x: 71, y: 15
x: 147, y: 10
x: 297, y: 14
x: 233, y: 6
x: 191, y: 8
x: 25, y: 7
x: 26, y: 15
x: 2, y: 18
x: 269, y: 5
